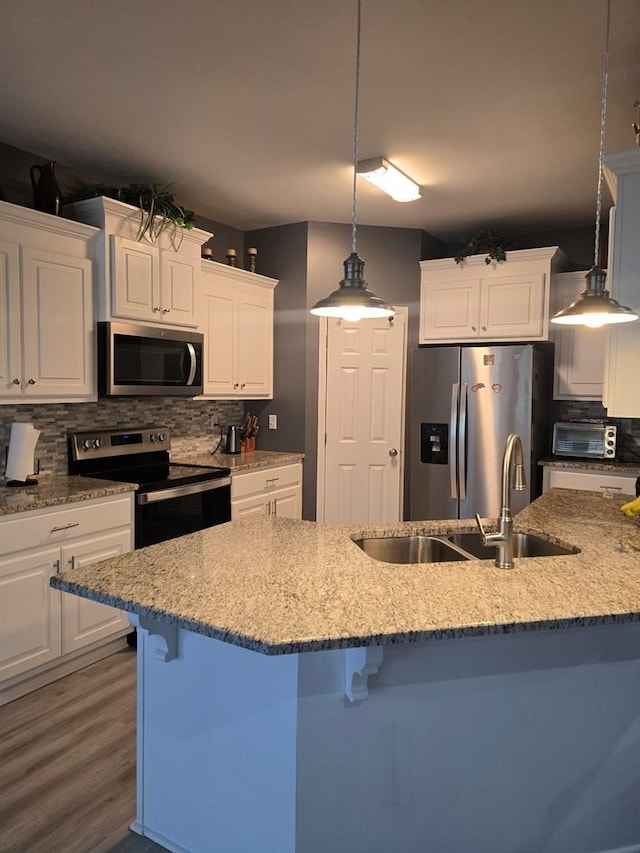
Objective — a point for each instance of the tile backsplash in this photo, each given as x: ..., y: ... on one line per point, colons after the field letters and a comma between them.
x: 189, y: 421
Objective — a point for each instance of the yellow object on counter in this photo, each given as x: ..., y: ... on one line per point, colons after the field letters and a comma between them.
x: 631, y: 508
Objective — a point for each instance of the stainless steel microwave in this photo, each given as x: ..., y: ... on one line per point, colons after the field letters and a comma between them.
x: 138, y: 361
x: 584, y: 439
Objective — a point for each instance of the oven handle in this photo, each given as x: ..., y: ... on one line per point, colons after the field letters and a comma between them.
x: 192, y: 371
x: 181, y: 491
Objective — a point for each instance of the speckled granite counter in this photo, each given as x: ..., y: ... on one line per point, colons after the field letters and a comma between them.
x: 53, y: 490
x: 238, y: 462
x: 280, y: 586
x: 591, y: 465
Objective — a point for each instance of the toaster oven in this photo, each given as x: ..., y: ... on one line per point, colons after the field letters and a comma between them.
x: 584, y: 439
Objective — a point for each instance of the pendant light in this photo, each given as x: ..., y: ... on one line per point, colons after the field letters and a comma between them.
x: 594, y: 307
x: 352, y: 301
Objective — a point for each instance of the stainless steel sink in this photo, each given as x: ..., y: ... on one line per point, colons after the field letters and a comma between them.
x: 411, y: 549
x: 524, y: 545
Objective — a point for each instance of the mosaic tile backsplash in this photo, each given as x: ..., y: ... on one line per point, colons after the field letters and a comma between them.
x: 189, y: 421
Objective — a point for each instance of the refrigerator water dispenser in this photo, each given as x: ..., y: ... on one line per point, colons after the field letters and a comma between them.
x: 434, y: 444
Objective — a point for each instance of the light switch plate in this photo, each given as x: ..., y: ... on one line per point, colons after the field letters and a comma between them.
x: 273, y: 422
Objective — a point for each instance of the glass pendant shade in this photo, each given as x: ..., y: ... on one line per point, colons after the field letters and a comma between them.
x: 352, y: 301
x: 594, y: 307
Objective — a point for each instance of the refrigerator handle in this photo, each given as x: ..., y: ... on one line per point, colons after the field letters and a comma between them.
x: 461, y: 438
x: 453, y: 441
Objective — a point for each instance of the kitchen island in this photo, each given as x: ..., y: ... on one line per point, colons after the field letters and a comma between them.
x: 297, y: 695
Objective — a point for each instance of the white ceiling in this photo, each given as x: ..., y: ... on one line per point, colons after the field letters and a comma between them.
x: 246, y: 106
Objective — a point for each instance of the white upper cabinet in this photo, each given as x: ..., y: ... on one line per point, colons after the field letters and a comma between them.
x: 621, y: 394
x: 473, y: 301
x: 579, y: 352
x: 141, y: 281
x: 47, y: 339
x: 237, y: 321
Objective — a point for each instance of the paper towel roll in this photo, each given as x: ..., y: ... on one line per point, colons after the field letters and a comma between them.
x: 22, y: 444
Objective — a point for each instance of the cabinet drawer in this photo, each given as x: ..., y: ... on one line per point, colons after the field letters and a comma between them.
x: 53, y: 526
x: 265, y: 480
x: 592, y: 481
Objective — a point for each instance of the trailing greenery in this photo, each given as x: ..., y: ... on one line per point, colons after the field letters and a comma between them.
x: 159, y: 211
x: 488, y: 240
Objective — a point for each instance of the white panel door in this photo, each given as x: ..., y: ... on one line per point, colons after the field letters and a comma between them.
x: 364, y: 421
x: 11, y: 375
x: 29, y: 612
x: 57, y: 324
x: 84, y: 621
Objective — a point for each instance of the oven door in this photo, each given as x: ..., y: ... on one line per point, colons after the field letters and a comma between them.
x: 168, y: 513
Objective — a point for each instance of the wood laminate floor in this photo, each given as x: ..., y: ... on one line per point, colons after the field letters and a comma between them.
x: 67, y: 764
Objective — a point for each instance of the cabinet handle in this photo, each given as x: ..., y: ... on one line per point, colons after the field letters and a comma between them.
x: 16, y: 381
x: 65, y: 526
x: 272, y: 480
x: 156, y: 308
x: 484, y: 328
x: 474, y: 329
x: 32, y: 381
x: 236, y: 385
x: 243, y: 384
x: 275, y: 506
x: 166, y: 310
x: 269, y: 508
x: 56, y: 567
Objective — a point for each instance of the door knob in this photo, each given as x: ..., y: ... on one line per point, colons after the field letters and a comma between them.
x: 393, y: 451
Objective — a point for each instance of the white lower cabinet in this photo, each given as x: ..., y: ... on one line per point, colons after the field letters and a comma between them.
x: 606, y: 482
x: 44, y: 633
x: 268, y: 491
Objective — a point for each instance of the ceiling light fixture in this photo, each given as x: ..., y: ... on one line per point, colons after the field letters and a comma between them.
x: 352, y: 301
x: 384, y: 175
x: 594, y: 307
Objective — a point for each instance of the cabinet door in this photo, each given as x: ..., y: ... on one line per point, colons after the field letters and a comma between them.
x: 58, y: 341
x: 135, y: 273
x: 254, y: 343
x: 449, y: 311
x: 10, y: 321
x: 178, y: 276
x: 84, y: 621
x: 513, y: 307
x: 220, y: 308
x: 30, y: 632
x: 287, y: 503
x: 249, y: 506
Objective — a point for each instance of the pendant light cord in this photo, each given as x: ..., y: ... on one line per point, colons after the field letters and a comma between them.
x: 356, y: 110
x: 603, y: 118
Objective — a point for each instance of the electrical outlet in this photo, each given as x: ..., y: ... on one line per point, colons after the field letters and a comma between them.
x: 273, y: 422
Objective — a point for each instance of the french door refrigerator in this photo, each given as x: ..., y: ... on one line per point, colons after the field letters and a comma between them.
x: 464, y: 402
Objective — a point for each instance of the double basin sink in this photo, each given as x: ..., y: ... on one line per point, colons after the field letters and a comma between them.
x: 454, y: 546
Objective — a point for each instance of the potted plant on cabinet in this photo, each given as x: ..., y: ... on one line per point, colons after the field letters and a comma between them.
x: 488, y: 240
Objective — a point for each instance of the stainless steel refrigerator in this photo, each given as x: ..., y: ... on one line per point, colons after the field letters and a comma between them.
x: 464, y: 401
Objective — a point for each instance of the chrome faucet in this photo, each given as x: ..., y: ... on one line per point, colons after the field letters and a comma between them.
x: 503, y: 539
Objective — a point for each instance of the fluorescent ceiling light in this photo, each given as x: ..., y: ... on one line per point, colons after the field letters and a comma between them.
x: 390, y: 180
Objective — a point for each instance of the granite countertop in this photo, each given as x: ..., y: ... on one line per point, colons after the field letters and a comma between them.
x: 56, y: 489
x: 279, y: 586
x: 237, y: 462
x: 591, y: 464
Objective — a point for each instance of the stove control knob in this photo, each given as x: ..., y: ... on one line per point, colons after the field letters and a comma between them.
x: 153, y: 436
x: 98, y: 442
x: 161, y: 436
x: 86, y: 444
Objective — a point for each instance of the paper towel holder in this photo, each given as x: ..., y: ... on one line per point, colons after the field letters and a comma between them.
x: 30, y: 481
